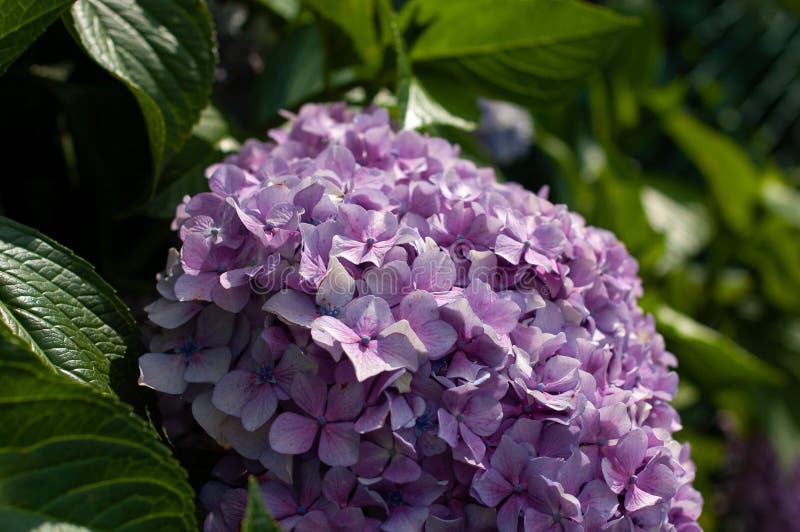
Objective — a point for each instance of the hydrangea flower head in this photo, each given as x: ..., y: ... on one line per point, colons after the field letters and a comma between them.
x: 393, y: 340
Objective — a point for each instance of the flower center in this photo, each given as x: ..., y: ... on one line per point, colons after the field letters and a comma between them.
x: 364, y: 340
x: 325, y: 310
x: 321, y: 420
x: 270, y: 226
x: 220, y: 269
x: 540, y: 386
x: 265, y: 375
x: 302, y: 510
x: 527, y: 244
x: 460, y: 418
x: 395, y: 498
x: 518, y: 488
x: 370, y: 241
x: 601, y: 442
x: 557, y: 517
x: 633, y: 479
x: 187, y: 350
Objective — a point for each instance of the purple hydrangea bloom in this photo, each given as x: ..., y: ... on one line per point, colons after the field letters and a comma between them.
x: 392, y: 340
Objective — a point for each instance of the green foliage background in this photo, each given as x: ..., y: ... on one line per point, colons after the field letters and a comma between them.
x: 673, y: 124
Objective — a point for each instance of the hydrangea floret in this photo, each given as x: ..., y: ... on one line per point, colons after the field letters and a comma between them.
x: 391, y: 339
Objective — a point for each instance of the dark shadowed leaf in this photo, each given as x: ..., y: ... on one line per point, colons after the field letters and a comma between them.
x: 706, y: 356
x: 163, y: 50
x: 211, y: 140
x: 58, y: 306
x: 21, y: 22
x: 357, y: 20
x: 731, y: 175
x: 295, y: 73
x: 70, y: 455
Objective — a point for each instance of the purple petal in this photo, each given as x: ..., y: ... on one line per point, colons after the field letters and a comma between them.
x: 196, y: 287
x: 172, y: 314
x: 509, y: 249
x: 338, y: 484
x: 260, y: 408
x: 406, y: 518
x: 630, y: 450
x: 335, y: 329
x: 208, y: 417
x: 338, y: 444
x: 214, y: 327
x: 232, y: 392
x: 293, y: 307
x: 636, y: 498
x: 368, y: 315
x: 231, y: 299
x: 438, y: 337
x: 373, y: 418
x: 345, y: 401
x: 336, y: 288
x: 278, y: 499
x: 491, y: 487
x: 162, y: 372
x: 402, y: 469
x: 292, y: 434
x: 208, y: 365
x: 448, y: 427
x: 310, y: 394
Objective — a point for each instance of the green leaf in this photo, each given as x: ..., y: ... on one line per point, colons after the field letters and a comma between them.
x: 356, y: 18
x: 21, y: 23
x: 731, y: 175
x: 257, y: 518
x: 211, y: 140
x: 164, y: 51
x: 532, y: 51
x: 680, y: 215
x: 71, y: 455
x: 296, y: 72
x: 423, y: 110
x: 57, y: 304
x: 288, y: 9
x: 780, y: 198
x: 707, y: 357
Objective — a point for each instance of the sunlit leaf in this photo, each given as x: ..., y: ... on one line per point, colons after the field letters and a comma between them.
x: 56, y: 303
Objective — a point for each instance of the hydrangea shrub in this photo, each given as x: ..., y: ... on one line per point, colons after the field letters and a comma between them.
x: 392, y: 339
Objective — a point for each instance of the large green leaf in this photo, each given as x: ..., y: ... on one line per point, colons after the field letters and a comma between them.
x: 708, y: 357
x: 163, y: 50
x: 69, y: 454
x: 58, y: 305
x: 533, y: 51
x: 256, y: 517
x: 731, y: 175
x: 21, y: 22
x: 356, y: 18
